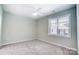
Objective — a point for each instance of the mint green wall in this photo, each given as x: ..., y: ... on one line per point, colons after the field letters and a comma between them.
x: 65, y: 42
x: 0, y: 10
x: 17, y: 28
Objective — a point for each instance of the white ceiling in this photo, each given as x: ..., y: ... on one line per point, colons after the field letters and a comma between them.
x: 27, y: 10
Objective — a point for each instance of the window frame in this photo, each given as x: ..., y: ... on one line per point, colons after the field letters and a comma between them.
x: 58, y: 35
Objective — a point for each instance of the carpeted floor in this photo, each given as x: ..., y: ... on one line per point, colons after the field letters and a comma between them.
x: 34, y: 47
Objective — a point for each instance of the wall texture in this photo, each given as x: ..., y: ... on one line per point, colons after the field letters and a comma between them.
x: 64, y: 42
x: 17, y: 28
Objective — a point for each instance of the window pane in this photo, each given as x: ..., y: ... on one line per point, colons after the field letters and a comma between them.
x: 63, y: 26
x: 53, y: 26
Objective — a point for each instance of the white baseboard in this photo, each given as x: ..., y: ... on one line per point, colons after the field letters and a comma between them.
x: 16, y: 42
x: 59, y: 45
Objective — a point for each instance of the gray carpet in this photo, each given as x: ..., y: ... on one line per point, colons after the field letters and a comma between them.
x: 34, y: 47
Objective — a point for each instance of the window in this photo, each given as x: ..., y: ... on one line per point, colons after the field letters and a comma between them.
x: 53, y: 27
x: 60, y: 26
